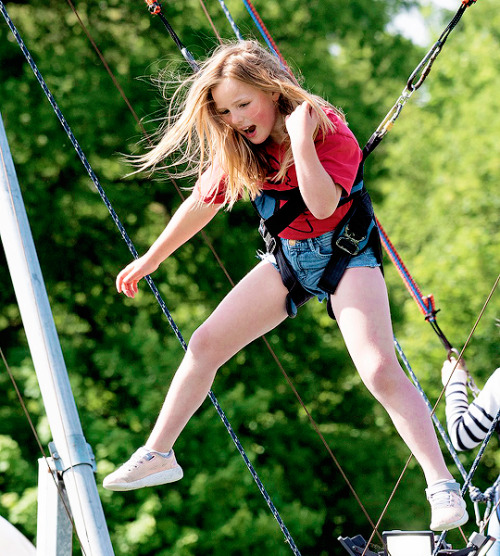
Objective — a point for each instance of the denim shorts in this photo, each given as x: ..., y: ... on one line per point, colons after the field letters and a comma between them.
x: 309, y: 257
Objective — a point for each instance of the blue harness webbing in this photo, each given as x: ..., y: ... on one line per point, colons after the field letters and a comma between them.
x: 354, y: 233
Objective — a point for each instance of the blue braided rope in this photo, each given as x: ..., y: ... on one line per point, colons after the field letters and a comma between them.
x: 148, y: 279
x: 229, y: 17
x: 260, y: 28
x: 437, y: 423
x: 417, y: 295
x: 473, y: 469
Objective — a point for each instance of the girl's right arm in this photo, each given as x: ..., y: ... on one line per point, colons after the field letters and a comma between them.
x: 189, y: 219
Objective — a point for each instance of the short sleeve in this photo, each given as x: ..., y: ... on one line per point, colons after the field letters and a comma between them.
x: 340, y: 155
x: 210, y: 187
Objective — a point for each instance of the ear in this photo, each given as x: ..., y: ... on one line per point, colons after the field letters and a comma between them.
x: 275, y: 96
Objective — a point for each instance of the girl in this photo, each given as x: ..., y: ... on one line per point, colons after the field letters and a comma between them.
x: 469, y: 424
x: 246, y: 126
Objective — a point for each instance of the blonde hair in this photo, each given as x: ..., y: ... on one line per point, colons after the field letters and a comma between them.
x: 197, y: 135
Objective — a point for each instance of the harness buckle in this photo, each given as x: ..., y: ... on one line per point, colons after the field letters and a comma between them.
x: 269, y: 240
x: 348, y: 242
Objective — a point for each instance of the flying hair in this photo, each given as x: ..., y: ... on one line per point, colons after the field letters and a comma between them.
x: 193, y: 135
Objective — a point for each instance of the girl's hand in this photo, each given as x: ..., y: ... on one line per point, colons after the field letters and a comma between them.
x: 126, y: 281
x: 302, y: 122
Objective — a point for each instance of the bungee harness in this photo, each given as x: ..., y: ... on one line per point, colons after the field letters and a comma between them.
x: 356, y: 231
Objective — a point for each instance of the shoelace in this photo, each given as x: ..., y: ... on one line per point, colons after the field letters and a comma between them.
x: 442, y: 499
x: 137, y: 460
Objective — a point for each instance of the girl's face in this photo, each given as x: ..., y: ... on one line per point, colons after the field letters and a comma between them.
x: 250, y: 111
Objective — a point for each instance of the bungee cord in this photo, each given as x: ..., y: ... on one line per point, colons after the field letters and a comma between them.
x: 426, y: 304
x: 265, y: 33
x: 229, y: 17
x: 133, y: 250
x: 415, y: 81
x: 207, y: 15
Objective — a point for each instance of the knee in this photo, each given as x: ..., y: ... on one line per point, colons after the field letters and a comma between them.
x: 382, y: 378
x: 207, y: 346
x: 201, y: 341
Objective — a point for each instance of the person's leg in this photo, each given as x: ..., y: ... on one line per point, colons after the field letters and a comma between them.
x: 361, y: 307
x: 255, y: 306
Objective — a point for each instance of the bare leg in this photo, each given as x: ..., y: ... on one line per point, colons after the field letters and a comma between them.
x: 255, y: 306
x: 362, y: 311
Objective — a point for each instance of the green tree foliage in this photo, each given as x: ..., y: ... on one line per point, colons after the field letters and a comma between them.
x: 434, y: 185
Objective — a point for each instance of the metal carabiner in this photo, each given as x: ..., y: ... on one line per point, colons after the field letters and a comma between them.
x: 427, y: 61
x: 154, y: 6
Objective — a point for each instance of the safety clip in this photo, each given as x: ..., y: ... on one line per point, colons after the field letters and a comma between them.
x: 154, y: 6
x: 269, y: 240
x: 348, y: 242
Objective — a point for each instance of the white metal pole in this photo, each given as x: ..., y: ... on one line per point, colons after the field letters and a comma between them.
x: 54, y: 528
x: 74, y: 455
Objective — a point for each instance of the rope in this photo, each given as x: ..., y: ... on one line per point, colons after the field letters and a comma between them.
x: 231, y: 20
x: 53, y: 472
x: 472, y: 471
x: 207, y: 15
x: 432, y: 411
x: 415, y: 81
x: 263, y: 31
x: 426, y: 304
x: 267, y: 36
x: 149, y: 280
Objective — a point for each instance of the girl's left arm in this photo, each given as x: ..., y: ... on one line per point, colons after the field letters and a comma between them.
x: 320, y: 193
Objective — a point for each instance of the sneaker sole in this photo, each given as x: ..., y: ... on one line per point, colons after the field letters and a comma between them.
x: 462, y: 521
x: 161, y: 478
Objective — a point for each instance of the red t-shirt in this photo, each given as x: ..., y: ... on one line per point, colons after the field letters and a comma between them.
x: 340, y: 155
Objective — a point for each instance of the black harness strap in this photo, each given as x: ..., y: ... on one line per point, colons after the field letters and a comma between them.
x: 355, y: 232
x: 296, y: 293
x: 285, y: 215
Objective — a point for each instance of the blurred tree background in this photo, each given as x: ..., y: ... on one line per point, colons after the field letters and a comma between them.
x: 434, y: 184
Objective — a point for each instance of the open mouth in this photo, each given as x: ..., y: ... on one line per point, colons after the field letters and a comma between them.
x: 250, y: 130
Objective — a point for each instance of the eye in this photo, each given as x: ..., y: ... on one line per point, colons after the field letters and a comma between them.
x: 243, y: 104
x: 223, y: 112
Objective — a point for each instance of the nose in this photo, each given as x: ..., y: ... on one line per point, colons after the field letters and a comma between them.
x: 235, y: 119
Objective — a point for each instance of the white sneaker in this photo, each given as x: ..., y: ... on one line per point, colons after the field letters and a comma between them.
x: 144, y: 468
x: 447, y: 505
